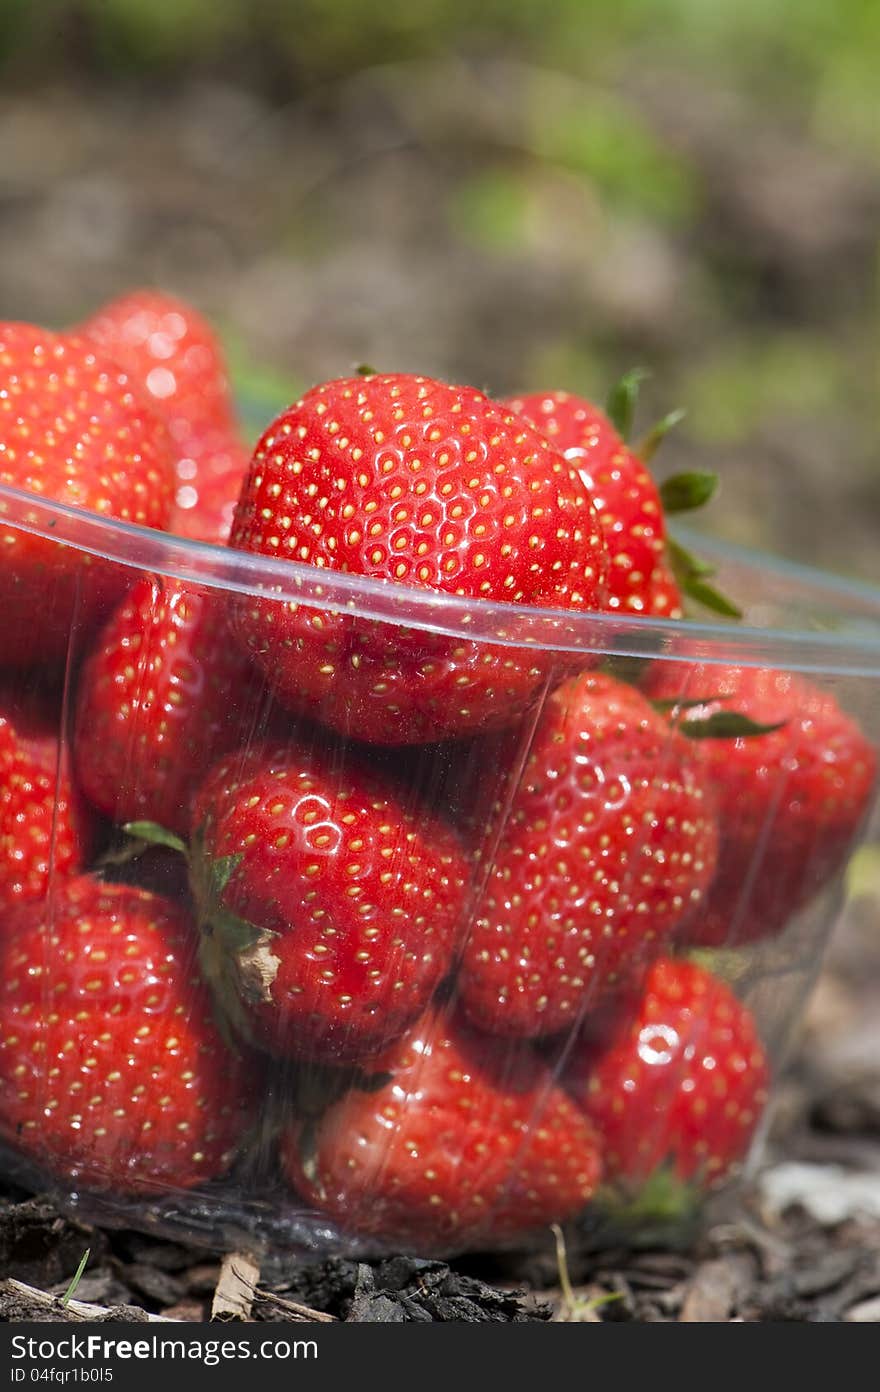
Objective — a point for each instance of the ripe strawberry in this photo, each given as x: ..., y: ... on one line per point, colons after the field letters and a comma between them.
x: 623, y: 492
x: 163, y: 694
x: 680, y: 1079
x: 72, y: 430
x: 406, y: 479
x: 112, y: 1072
x: 330, y: 907
x: 609, y: 842
x: 663, y: 599
x: 43, y: 831
x: 207, y: 491
x: 171, y: 352
x: 465, y: 1142
x: 789, y: 801
x: 173, y: 357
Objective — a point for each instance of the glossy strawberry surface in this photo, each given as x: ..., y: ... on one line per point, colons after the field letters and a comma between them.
x: 113, y: 1074
x: 163, y: 694
x: 680, y: 1080
x: 44, y: 830
x: 408, y: 480
x: 331, y: 906
x: 466, y: 1141
x: 790, y: 801
x: 174, y: 355
x: 608, y: 843
x: 73, y: 430
x: 623, y: 492
x: 175, y: 359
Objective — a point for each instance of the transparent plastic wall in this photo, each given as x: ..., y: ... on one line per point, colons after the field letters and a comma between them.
x: 306, y: 971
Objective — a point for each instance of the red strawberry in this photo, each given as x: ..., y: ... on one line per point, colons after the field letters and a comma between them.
x: 163, y: 695
x: 623, y: 492
x: 681, y: 1079
x: 663, y: 599
x: 609, y: 842
x: 208, y: 489
x: 174, y: 358
x: 331, y: 907
x: 173, y: 355
x: 43, y: 832
x: 790, y: 802
x: 72, y: 430
x: 112, y: 1072
x: 406, y: 479
x: 466, y: 1142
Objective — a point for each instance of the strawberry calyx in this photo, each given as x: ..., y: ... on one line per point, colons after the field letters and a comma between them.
x: 726, y: 724
x: 650, y: 442
x: 682, y: 492
x: 236, y: 956
x: 243, y: 948
x: 620, y: 406
x: 692, y: 577
x: 661, y: 1203
x: 721, y: 724
x: 151, y: 834
x: 687, y: 491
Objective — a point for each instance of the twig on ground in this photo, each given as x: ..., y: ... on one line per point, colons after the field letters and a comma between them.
x: 292, y: 1310
x: 236, y: 1287
x: 17, y: 1296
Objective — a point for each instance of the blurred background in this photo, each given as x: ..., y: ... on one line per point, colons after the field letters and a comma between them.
x: 516, y: 194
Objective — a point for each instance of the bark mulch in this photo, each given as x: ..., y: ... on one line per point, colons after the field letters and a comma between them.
x: 785, y: 1254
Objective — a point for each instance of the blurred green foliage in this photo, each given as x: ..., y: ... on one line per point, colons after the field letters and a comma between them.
x: 816, y: 58
x: 720, y: 227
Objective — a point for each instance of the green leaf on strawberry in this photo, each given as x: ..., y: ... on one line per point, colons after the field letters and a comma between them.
x: 725, y: 724
x: 719, y: 724
x: 222, y: 870
x: 672, y: 703
x: 620, y: 406
x: 690, y: 572
x: 684, y: 563
x: 649, y: 444
x: 684, y: 492
x: 154, y: 835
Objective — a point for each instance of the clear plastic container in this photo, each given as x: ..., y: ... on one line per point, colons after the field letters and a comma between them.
x: 457, y: 989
